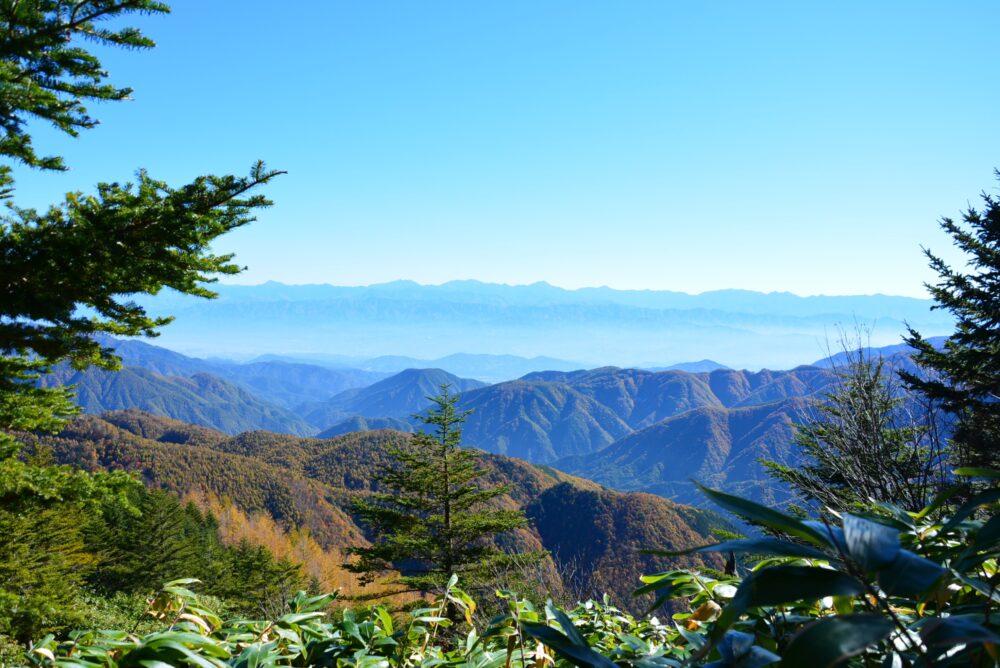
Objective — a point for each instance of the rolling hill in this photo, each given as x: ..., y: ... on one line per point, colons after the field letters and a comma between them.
x: 359, y: 423
x: 538, y: 421
x: 309, y: 483
x: 398, y: 396
x: 202, y: 398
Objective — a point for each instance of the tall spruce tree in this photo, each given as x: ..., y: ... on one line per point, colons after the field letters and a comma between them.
x: 964, y: 374
x: 431, y: 517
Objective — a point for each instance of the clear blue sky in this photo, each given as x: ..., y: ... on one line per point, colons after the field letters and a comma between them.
x: 800, y: 146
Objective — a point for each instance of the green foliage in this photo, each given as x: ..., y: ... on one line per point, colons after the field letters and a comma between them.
x: 45, y: 512
x: 593, y: 534
x: 432, y: 522
x: 965, y: 373
x: 69, y: 271
x: 48, y: 77
x: 867, y: 443
x: 897, y: 588
x: 60, y: 559
x: 191, y: 634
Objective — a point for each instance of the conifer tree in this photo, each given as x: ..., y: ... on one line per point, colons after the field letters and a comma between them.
x: 430, y: 518
x: 70, y: 271
x: 964, y: 374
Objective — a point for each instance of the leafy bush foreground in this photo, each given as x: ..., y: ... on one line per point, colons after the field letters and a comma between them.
x: 892, y: 589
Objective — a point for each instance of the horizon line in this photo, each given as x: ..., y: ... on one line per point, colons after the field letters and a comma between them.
x: 544, y: 283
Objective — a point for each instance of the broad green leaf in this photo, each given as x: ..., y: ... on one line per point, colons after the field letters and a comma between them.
x: 909, y: 573
x: 578, y: 654
x: 872, y: 545
x: 181, y: 582
x: 970, y: 506
x: 676, y: 583
x: 179, y: 591
x: 695, y: 640
x: 298, y: 618
x: 567, y: 624
x: 945, y: 633
x: 385, y: 618
x: 738, y: 649
x: 782, y: 585
x: 765, y: 545
x: 902, y: 517
x: 973, y: 472
x: 834, y: 536
x: 829, y: 641
x: 762, y: 514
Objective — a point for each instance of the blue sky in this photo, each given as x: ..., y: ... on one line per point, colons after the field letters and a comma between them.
x: 807, y: 147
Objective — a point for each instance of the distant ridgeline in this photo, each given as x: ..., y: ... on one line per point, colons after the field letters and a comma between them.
x: 308, y: 484
x: 594, y: 326
x: 629, y: 429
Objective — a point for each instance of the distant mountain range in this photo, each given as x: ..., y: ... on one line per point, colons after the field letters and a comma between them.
x: 701, y: 366
x: 631, y: 429
x: 595, y: 325
x: 717, y: 446
x: 487, y: 368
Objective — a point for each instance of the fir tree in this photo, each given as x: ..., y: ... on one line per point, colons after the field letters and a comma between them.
x: 964, y: 374
x: 431, y: 517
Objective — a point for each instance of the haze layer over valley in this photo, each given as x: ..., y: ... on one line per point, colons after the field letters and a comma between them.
x: 588, y: 327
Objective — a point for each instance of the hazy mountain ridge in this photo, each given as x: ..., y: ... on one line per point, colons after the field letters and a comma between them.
x: 285, y: 383
x: 594, y: 325
x: 545, y: 294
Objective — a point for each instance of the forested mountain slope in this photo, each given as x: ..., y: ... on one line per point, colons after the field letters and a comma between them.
x: 202, y: 398
x: 310, y: 483
x: 285, y: 383
x: 398, y: 396
x: 547, y: 416
x: 717, y: 446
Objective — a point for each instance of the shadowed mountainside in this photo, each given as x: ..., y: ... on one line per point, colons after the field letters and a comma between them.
x: 717, y: 446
